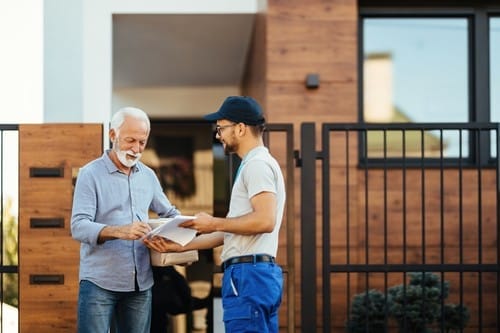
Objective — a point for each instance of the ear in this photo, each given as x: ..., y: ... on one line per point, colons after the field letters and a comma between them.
x: 242, y: 129
x: 112, y: 134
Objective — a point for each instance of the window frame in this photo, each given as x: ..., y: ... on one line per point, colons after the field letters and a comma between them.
x: 478, y: 14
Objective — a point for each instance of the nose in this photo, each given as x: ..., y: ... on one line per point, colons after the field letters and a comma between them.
x: 136, y: 147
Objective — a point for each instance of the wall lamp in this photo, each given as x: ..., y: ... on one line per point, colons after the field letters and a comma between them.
x: 312, y: 81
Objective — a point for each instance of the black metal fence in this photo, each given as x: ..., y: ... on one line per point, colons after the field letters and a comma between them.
x: 408, y: 231
x: 9, y: 295
x: 401, y: 226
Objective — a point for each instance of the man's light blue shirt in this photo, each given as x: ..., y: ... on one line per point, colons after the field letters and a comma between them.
x: 106, y: 196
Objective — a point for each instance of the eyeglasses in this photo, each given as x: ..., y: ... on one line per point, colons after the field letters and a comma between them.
x: 218, y: 129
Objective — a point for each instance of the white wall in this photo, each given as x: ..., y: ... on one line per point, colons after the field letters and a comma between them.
x: 63, y: 62
x: 21, y: 70
x: 174, y: 102
x: 78, y: 65
x: 98, y: 48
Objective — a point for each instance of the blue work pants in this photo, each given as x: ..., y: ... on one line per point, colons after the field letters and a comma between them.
x: 251, y: 296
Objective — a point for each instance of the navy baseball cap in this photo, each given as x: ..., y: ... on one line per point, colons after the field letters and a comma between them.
x: 240, y: 109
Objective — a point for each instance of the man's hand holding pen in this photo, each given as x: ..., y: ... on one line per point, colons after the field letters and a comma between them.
x: 133, y: 231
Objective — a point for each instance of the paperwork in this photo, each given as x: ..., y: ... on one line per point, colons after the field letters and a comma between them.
x: 169, y: 228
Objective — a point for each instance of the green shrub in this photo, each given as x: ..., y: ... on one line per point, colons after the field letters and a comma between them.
x: 367, y: 313
x: 456, y: 317
x: 415, y: 307
x: 418, y: 304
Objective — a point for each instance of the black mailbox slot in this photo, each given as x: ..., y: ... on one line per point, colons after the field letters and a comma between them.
x: 46, y: 172
x: 46, y: 278
x: 50, y: 222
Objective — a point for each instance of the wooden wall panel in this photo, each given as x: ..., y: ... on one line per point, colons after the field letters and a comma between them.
x: 254, y: 80
x: 312, y: 37
x: 50, y: 316
x: 50, y: 251
x: 433, y: 218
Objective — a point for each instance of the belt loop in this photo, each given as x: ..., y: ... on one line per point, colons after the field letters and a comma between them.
x: 254, y: 258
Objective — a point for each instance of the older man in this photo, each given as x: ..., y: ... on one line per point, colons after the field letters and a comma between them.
x: 112, y: 198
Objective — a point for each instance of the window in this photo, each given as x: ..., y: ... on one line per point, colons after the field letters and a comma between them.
x: 427, y: 65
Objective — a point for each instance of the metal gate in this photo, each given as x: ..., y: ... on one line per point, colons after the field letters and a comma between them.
x: 281, y: 135
x: 408, y: 237
x: 9, y: 270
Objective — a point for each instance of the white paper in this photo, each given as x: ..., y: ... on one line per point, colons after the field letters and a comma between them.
x: 169, y: 228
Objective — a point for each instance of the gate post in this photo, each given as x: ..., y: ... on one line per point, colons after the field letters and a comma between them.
x: 308, y: 227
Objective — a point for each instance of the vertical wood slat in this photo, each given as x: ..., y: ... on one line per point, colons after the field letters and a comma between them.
x: 49, y: 156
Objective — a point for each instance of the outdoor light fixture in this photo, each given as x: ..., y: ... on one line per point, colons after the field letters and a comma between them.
x: 312, y: 81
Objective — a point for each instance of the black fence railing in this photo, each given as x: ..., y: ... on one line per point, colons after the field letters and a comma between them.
x: 9, y: 295
x: 409, y: 230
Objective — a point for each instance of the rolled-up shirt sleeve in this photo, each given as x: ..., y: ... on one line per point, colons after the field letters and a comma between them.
x: 84, y: 228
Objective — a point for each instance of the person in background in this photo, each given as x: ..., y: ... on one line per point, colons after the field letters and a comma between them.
x: 172, y: 296
x: 112, y: 198
x: 252, y: 283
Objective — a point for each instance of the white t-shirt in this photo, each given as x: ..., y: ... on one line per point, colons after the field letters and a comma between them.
x: 258, y: 172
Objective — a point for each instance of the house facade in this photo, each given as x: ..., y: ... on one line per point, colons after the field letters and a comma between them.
x: 381, y: 114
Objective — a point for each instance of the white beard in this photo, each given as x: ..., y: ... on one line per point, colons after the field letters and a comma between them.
x: 122, y: 157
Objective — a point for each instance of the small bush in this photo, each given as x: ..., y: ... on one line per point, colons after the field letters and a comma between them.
x: 456, y: 317
x: 367, y: 313
x: 415, y: 307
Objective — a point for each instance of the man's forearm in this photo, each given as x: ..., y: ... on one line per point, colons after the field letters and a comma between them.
x: 206, y: 241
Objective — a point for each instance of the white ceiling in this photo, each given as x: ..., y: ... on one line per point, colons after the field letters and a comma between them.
x: 152, y: 50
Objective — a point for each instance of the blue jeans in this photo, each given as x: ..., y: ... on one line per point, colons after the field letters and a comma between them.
x: 97, y: 307
x: 251, y: 297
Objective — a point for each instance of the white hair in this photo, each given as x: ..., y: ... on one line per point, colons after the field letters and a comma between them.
x: 119, y: 117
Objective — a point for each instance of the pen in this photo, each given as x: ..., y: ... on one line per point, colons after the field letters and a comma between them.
x: 139, y: 219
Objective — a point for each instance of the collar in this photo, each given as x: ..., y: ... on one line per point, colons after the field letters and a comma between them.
x: 112, y: 167
x: 253, y: 152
